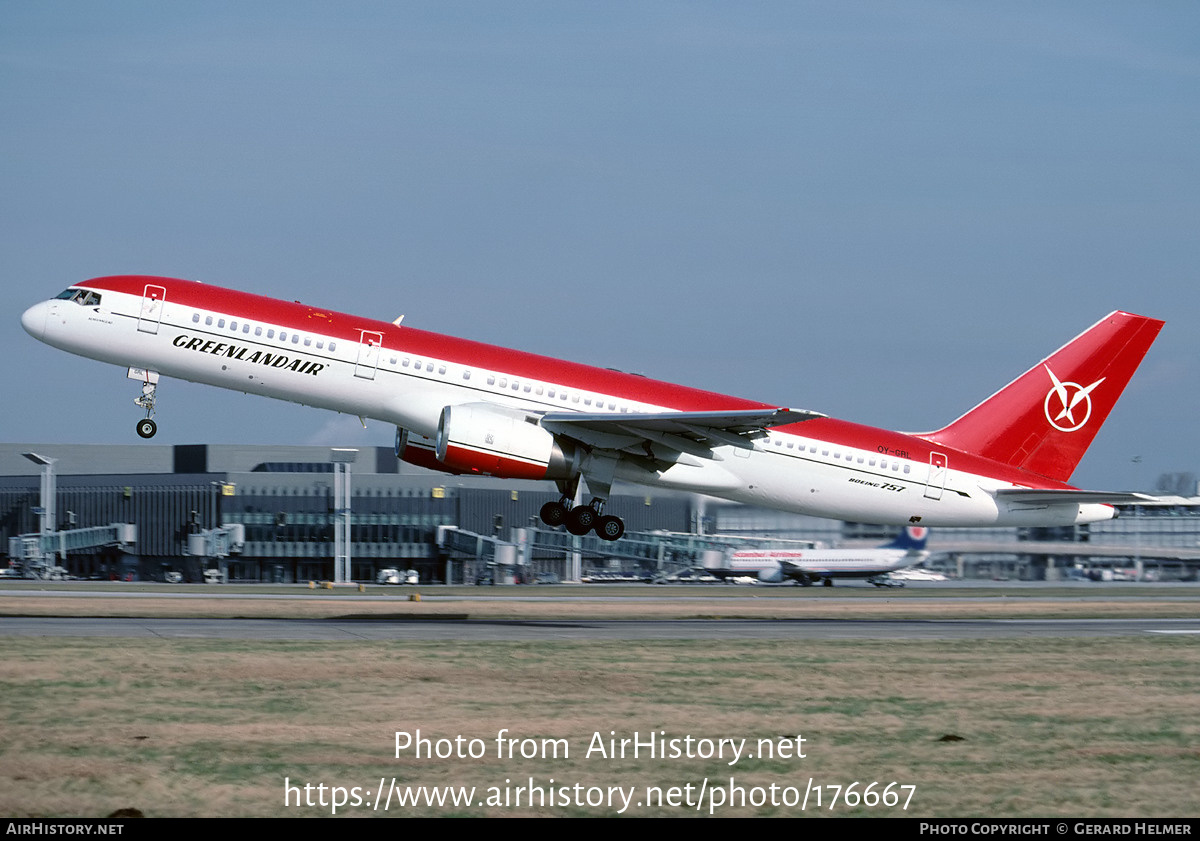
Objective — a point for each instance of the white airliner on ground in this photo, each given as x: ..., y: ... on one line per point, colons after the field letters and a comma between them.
x: 808, y: 566
x: 465, y: 407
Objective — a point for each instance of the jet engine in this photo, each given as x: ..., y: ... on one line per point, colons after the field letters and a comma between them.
x: 495, y: 441
x: 772, y: 573
x: 414, y: 448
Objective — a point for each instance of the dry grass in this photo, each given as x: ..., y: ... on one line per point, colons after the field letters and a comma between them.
x: 199, y: 727
x: 622, y: 603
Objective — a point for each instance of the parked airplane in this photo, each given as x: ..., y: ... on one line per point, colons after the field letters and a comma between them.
x: 808, y: 566
x: 465, y: 407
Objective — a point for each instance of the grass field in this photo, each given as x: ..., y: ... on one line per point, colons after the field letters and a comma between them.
x: 1072, y: 728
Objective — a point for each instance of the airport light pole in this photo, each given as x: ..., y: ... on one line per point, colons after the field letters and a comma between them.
x: 47, y: 504
x: 342, y: 459
x: 1137, y: 530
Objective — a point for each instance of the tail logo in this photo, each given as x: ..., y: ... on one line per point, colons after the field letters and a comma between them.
x: 1068, y: 415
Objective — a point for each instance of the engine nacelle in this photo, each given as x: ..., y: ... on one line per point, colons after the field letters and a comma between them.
x: 491, y: 440
x: 419, y: 450
x: 772, y: 573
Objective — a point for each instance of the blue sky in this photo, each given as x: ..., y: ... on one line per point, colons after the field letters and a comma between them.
x: 879, y: 211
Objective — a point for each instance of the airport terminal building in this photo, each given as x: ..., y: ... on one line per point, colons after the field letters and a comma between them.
x: 282, y: 504
x: 284, y: 498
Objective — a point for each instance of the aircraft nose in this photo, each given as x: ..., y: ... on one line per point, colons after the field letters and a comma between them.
x: 34, y: 319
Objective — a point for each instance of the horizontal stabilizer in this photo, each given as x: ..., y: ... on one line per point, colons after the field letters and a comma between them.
x: 1071, y: 496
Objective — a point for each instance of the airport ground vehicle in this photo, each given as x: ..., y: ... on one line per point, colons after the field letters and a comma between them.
x: 391, y: 575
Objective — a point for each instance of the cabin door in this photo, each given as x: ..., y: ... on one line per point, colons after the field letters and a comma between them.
x: 368, y: 355
x: 152, y: 307
x: 937, y: 476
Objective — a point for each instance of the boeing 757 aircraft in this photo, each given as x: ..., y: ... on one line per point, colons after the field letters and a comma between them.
x: 464, y: 407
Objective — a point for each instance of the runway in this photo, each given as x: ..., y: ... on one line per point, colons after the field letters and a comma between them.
x: 346, y: 630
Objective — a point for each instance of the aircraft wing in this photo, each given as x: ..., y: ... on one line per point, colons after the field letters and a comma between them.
x: 660, y: 435
x: 1055, y: 497
x: 794, y: 571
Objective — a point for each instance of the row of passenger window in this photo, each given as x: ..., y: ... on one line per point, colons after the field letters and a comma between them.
x: 406, y: 362
x: 498, y: 383
x: 869, y: 461
x: 428, y: 366
x: 502, y: 383
x: 260, y: 331
x: 552, y: 392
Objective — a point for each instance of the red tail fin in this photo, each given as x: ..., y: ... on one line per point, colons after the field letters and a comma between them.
x: 1045, y: 419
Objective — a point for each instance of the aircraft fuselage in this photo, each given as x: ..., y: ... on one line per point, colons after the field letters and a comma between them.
x: 409, y: 378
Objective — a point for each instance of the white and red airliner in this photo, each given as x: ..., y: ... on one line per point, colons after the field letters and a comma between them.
x: 808, y: 566
x: 464, y: 407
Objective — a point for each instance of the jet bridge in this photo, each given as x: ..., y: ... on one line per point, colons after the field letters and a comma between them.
x: 638, y: 556
x: 217, y: 544
x: 33, y: 554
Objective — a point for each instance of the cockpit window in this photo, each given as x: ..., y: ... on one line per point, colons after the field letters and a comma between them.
x: 83, y: 297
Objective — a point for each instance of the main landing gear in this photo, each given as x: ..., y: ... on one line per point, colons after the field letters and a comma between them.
x: 580, y: 519
x: 598, y: 468
x: 147, y: 427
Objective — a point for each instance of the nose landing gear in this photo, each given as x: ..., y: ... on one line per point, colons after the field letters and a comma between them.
x: 147, y: 427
